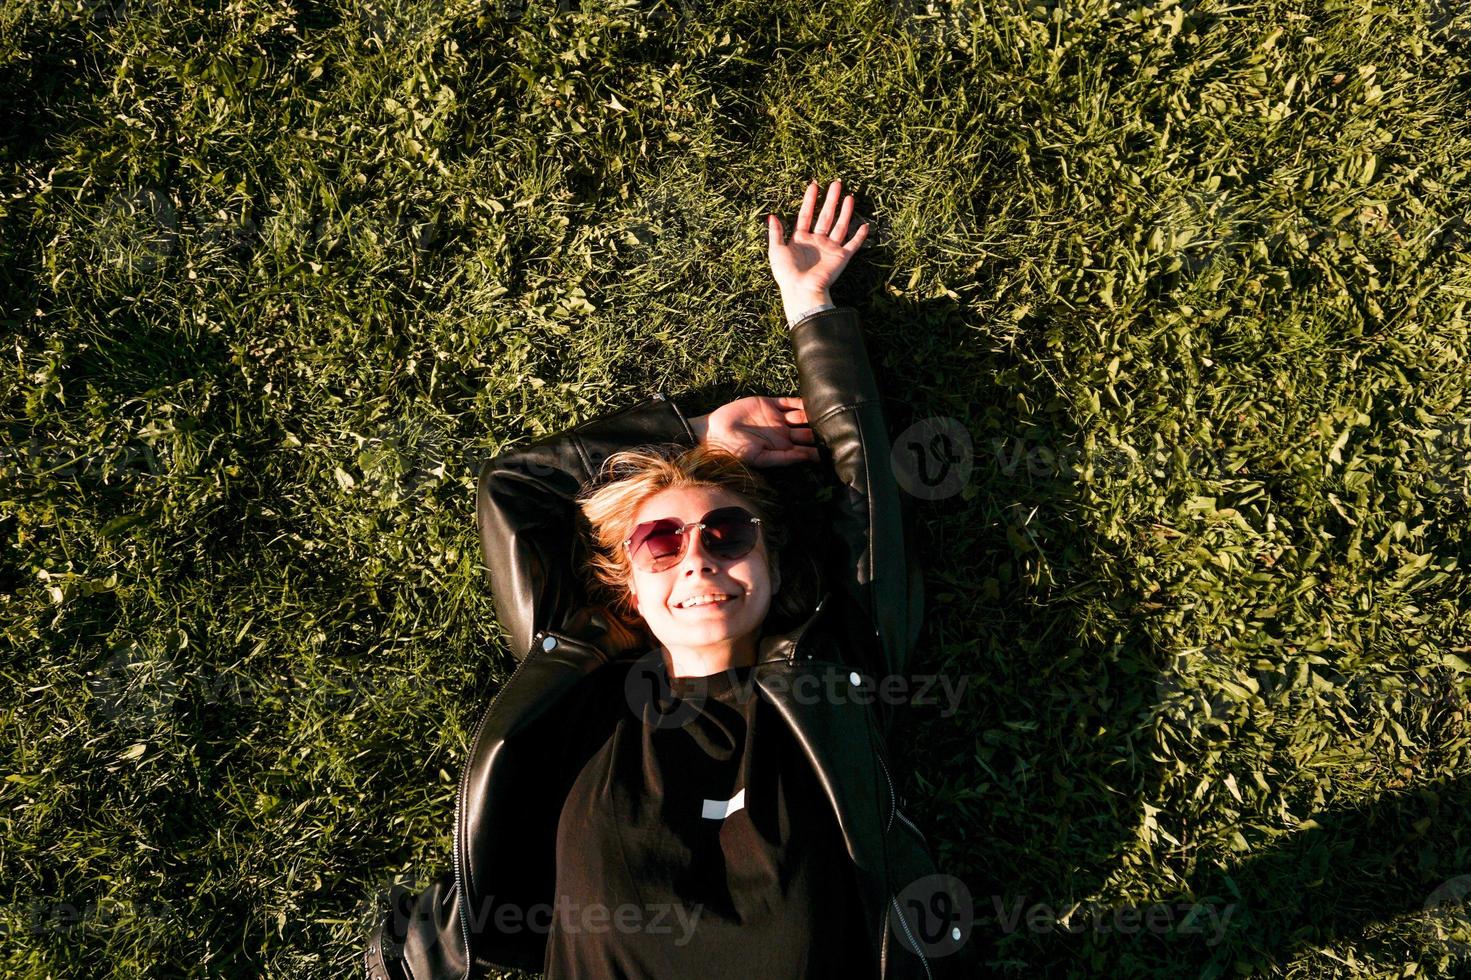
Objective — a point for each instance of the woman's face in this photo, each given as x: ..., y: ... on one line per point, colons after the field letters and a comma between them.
x: 748, y: 579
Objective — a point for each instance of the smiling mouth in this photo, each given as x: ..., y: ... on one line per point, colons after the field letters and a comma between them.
x: 708, y: 602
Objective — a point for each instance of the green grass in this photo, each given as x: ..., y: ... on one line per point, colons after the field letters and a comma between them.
x: 1193, y: 277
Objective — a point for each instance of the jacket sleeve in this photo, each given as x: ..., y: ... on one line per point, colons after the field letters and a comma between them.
x: 418, y: 937
x: 528, y: 519
x: 877, y: 570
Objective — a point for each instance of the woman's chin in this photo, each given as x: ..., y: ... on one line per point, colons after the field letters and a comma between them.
x: 705, y: 637
x: 710, y: 630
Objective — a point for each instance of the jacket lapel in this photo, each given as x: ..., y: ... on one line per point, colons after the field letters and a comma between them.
x: 813, y: 697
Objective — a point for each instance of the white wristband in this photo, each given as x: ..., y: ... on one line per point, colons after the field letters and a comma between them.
x: 793, y: 321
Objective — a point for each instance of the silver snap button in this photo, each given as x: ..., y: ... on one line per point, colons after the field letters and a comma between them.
x: 854, y: 679
x: 955, y: 933
x: 549, y: 644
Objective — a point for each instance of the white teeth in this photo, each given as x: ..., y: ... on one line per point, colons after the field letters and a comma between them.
x: 701, y: 600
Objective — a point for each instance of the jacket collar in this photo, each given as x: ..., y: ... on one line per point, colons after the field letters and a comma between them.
x: 783, y: 645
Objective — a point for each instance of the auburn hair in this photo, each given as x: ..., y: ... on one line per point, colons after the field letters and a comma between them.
x: 630, y: 477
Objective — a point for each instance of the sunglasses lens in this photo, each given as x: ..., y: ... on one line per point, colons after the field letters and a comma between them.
x: 664, y: 544
x: 657, y: 545
x: 729, y: 533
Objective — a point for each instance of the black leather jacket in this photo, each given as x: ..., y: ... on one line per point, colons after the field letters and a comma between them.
x: 475, y: 915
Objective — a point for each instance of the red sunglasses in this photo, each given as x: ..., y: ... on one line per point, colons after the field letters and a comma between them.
x: 726, y: 533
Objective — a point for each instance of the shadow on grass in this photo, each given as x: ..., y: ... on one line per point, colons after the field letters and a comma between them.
x: 1406, y: 854
x: 46, y: 93
x: 1361, y: 865
x: 1037, y: 789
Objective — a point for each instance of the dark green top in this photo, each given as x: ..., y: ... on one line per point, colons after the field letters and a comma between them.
x: 701, y: 846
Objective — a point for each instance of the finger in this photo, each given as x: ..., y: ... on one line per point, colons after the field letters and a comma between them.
x: 802, y: 437
x: 858, y: 238
x: 829, y: 208
x: 786, y: 457
x: 804, y: 213
x: 775, y: 234
x: 789, y: 401
x: 840, y: 230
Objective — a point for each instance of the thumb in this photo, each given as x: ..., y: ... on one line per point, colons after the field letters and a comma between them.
x: 774, y: 232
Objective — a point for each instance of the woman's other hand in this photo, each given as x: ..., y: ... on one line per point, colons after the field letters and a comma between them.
x: 806, y: 265
x: 762, y: 431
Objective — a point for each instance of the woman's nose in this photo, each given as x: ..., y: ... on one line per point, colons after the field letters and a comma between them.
x: 695, y: 555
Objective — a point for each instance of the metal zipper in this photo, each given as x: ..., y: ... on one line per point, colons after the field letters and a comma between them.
x: 894, y: 899
x: 914, y: 828
x: 462, y: 898
x: 924, y: 960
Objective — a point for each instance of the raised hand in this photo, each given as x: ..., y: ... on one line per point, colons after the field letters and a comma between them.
x: 762, y: 431
x: 807, y: 264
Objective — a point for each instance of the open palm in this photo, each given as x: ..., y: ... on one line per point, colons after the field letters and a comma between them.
x: 812, y: 258
x: 763, y: 431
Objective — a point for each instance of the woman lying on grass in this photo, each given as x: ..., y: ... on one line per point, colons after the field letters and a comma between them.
x: 686, y: 775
